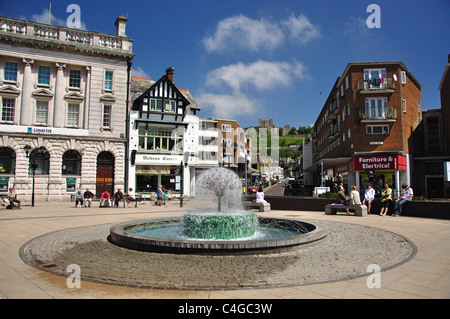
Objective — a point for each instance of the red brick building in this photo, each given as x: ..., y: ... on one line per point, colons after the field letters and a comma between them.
x: 363, y: 131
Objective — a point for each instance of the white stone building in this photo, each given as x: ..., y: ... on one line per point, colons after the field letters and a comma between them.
x: 64, y: 92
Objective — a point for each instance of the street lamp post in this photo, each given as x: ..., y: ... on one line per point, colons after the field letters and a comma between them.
x: 34, y: 166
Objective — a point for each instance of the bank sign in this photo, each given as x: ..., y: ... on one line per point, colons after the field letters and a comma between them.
x: 379, y: 163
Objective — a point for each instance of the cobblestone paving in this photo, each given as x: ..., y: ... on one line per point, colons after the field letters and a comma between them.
x: 345, y: 253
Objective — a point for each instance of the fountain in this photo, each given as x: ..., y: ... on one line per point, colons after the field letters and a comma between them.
x: 218, y: 224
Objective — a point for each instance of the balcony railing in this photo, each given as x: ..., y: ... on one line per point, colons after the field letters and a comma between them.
x: 388, y: 115
x: 379, y: 84
x: 34, y: 30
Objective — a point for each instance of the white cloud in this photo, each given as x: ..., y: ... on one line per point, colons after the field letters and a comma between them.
x: 139, y: 72
x: 244, y: 32
x: 300, y: 28
x: 261, y: 75
x: 228, y: 106
x: 43, y: 18
x: 255, y: 35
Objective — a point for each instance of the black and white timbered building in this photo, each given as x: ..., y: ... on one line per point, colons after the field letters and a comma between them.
x: 163, y: 126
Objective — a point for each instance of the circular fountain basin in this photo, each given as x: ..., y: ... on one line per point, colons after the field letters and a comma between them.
x: 167, y: 235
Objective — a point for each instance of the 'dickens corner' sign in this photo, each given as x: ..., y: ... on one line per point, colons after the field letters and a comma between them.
x: 158, y: 159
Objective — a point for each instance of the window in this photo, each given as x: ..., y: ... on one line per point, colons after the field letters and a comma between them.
x: 226, y: 128
x: 374, y: 78
x: 44, y: 75
x: 106, y: 116
x: 433, y: 133
x: 376, y: 108
x: 108, y: 80
x: 377, y: 129
x: 10, y: 71
x: 348, y: 134
x: 73, y: 114
x: 7, y: 161
x: 8, y: 106
x: 342, y: 90
x: 156, y: 105
x: 403, y: 77
x: 42, y: 162
x: 346, y: 82
x: 71, y: 164
x: 370, y: 74
x: 170, y: 106
x: 41, y: 112
x: 160, y: 138
x: 404, y: 105
x: 227, y: 142
x: 75, y: 78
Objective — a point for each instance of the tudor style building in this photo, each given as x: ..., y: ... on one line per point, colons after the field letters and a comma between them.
x: 163, y: 137
x: 63, y: 106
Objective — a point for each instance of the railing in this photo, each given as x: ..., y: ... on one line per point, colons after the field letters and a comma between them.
x: 63, y: 34
x: 376, y: 84
x: 389, y: 114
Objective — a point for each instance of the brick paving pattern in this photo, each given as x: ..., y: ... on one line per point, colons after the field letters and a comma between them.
x: 344, y: 254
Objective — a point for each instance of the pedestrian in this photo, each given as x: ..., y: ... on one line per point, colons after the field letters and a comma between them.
x: 386, y: 198
x: 12, y: 197
x: 159, y: 195
x: 88, y: 195
x: 355, y: 198
x: 78, y: 198
x: 369, y: 196
x: 131, y: 197
x: 105, y: 199
x: 335, y: 188
x: 260, y: 196
x: 118, y: 197
x: 406, y: 196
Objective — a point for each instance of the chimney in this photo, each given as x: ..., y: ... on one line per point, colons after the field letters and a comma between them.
x: 170, y: 74
x: 120, y: 24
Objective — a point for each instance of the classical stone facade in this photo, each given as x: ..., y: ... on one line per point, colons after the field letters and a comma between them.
x: 63, y: 104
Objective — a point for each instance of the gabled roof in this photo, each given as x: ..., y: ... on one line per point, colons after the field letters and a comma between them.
x: 163, y: 88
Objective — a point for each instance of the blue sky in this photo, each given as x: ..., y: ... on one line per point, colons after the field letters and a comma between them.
x: 252, y: 59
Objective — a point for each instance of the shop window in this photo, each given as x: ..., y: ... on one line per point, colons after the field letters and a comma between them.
x: 71, y: 164
x: 7, y: 161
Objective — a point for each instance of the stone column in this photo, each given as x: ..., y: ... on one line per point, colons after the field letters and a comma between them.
x: 26, y: 93
x: 58, y: 111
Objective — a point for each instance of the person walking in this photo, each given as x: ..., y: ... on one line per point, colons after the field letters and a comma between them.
x: 369, y: 196
x: 406, y: 196
x: 386, y: 198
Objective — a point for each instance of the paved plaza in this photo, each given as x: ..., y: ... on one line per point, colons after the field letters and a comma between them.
x: 413, y: 254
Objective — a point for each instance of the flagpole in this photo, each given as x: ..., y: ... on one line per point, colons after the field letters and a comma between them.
x: 49, y: 13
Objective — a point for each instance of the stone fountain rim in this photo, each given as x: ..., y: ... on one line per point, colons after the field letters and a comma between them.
x: 125, y: 239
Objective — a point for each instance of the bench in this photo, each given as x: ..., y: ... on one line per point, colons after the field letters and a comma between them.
x: 262, y: 207
x: 360, y: 210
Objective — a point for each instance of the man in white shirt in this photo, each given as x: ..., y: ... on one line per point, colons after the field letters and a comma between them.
x: 406, y: 196
x: 369, y: 196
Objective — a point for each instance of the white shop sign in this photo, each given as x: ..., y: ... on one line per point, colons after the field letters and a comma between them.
x: 151, y: 159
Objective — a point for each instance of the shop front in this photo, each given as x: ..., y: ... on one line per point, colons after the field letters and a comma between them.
x: 152, y: 170
x: 379, y: 170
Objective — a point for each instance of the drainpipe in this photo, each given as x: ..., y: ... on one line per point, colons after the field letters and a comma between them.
x: 127, y: 124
